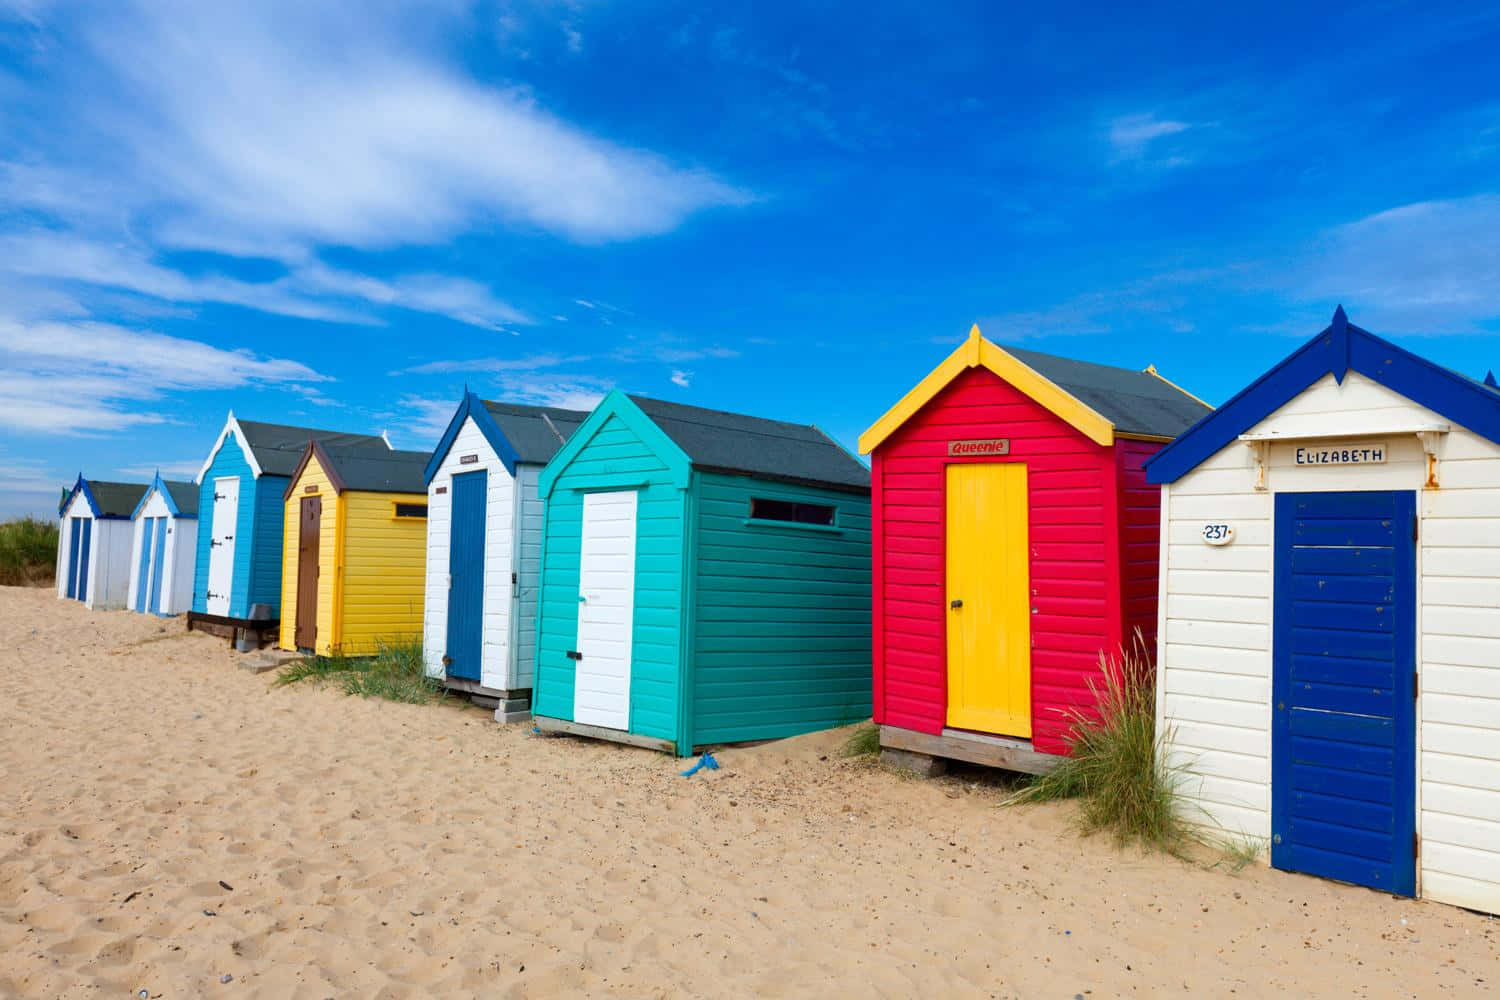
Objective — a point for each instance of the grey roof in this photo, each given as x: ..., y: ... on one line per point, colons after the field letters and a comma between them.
x: 116, y: 499
x: 377, y: 472
x: 184, y: 495
x: 1136, y: 402
x: 278, y: 448
x: 536, y: 432
x: 772, y: 449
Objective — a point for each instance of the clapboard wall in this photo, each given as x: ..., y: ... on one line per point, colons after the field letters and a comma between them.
x: 1216, y: 625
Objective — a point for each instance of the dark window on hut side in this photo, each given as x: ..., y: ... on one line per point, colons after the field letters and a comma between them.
x: 763, y: 509
x: 411, y: 510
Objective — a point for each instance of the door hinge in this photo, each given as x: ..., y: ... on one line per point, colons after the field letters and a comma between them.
x: 1416, y: 845
x: 574, y: 654
x: 1416, y: 684
x: 1414, y: 522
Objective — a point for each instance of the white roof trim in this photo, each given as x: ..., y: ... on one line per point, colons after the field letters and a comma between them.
x: 230, y: 425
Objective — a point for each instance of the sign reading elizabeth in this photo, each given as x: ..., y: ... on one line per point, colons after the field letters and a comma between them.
x: 991, y: 446
x: 1364, y: 454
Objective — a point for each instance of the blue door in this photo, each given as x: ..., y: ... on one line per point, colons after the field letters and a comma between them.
x: 74, y: 525
x: 466, y: 577
x: 1343, y: 743
x: 157, y: 565
x: 83, y: 558
x: 143, y: 575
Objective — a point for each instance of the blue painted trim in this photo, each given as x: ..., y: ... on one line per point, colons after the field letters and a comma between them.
x: 687, y: 630
x: 143, y: 571
x: 1340, y: 348
x: 617, y: 404
x: 472, y: 406
x: 82, y: 486
x: 158, y: 563
x: 160, y: 486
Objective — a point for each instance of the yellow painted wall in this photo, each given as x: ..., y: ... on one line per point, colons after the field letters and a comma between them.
x: 385, y: 562
x: 312, y: 475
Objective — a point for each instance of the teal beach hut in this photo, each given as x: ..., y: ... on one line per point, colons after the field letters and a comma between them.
x: 705, y: 579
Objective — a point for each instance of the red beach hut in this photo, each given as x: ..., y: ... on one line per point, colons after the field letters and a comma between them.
x: 1015, y: 539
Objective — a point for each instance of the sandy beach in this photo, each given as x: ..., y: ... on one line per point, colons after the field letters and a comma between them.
x: 170, y: 821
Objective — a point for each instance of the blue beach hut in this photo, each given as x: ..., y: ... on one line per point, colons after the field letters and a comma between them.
x: 93, y: 545
x: 705, y: 579
x: 241, y: 486
x: 164, y: 547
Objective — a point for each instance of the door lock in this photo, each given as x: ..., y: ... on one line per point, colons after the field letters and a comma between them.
x: 955, y: 604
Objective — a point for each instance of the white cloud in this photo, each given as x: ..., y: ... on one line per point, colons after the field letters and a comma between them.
x: 672, y: 354
x: 682, y: 378
x: 77, y: 378
x: 490, y: 365
x: 186, y: 469
x: 570, y: 392
x: 1131, y: 136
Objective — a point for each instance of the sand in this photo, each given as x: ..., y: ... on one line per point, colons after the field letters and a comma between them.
x: 171, y: 820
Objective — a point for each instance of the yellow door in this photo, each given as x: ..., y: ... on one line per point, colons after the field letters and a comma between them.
x: 989, y: 599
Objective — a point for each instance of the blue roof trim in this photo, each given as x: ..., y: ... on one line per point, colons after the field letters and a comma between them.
x: 472, y: 406
x: 81, y: 485
x: 159, y: 487
x: 1342, y: 347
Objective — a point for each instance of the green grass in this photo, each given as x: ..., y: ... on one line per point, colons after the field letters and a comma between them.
x: 28, y: 552
x: 393, y: 673
x: 862, y: 742
x: 1115, y: 768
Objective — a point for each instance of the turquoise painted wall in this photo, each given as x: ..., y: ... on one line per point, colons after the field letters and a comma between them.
x: 781, y: 641
x: 257, y: 534
x: 615, y: 454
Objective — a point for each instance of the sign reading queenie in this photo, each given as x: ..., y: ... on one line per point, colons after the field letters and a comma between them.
x: 1364, y: 454
x: 990, y: 446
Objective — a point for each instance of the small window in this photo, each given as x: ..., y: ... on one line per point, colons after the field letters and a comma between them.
x: 763, y: 509
x: 411, y: 510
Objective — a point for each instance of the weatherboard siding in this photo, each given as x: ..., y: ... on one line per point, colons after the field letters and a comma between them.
x: 381, y: 578
x: 497, y: 666
x: 1215, y: 649
x: 781, y: 641
x: 229, y: 460
x: 613, y: 454
x: 529, y: 512
x: 1140, y: 531
x: 263, y: 572
x: 1072, y: 492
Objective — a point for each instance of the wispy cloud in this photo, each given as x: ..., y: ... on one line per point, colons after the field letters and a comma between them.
x: 682, y: 378
x: 185, y: 469
x: 77, y: 377
x: 491, y: 365
x: 1132, y: 137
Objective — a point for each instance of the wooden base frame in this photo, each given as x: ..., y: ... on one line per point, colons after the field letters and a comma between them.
x: 975, y: 748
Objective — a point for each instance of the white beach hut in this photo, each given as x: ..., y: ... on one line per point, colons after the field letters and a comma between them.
x: 164, y: 545
x: 484, y: 530
x: 1329, y: 644
x: 93, y: 546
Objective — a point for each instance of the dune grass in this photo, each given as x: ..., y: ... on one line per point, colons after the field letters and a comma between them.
x: 863, y: 742
x: 28, y: 552
x: 1115, y: 768
x: 394, y: 673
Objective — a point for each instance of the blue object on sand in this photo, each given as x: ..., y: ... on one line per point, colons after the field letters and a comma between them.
x: 707, y: 760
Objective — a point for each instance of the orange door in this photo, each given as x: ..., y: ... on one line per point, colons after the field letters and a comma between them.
x: 989, y: 599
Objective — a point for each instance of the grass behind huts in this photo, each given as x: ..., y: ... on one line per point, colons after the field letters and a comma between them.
x: 394, y: 673
x: 28, y: 552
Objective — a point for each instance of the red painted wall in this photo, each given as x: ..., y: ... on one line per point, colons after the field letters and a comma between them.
x: 1140, y: 541
x: 1082, y: 495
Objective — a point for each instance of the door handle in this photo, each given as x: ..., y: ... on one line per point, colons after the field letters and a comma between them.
x: 955, y: 604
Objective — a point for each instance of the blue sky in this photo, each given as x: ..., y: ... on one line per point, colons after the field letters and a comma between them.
x: 341, y: 214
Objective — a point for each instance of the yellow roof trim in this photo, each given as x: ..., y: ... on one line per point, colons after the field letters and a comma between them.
x: 976, y: 352
x: 1151, y: 370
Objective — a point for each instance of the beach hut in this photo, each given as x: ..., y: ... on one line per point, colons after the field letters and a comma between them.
x: 164, y: 545
x: 1015, y: 542
x: 241, y: 485
x: 355, y: 529
x: 484, y: 547
x: 1328, y: 670
x: 705, y: 579
x: 93, y: 544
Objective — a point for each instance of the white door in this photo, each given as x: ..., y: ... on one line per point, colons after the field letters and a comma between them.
x: 221, y: 544
x: 606, y: 609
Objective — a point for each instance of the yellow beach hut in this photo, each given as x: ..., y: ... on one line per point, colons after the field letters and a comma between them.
x: 354, y: 550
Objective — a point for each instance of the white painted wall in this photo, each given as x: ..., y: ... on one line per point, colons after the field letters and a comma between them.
x: 77, y: 507
x: 109, y: 557
x: 1214, y: 653
x: 497, y: 665
x: 528, y: 571
x: 606, y: 609
x: 177, y: 556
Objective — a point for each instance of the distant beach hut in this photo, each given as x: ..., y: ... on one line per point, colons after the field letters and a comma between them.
x: 1015, y: 542
x: 241, y: 487
x: 484, y: 547
x: 1329, y: 664
x: 93, y: 546
x: 355, y: 526
x: 165, y: 543
x: 705, y: 579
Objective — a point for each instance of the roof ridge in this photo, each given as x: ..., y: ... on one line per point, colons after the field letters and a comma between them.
x: 724, y: 413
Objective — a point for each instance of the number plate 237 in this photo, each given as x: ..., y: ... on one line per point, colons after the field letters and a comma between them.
x: 1218, y: 534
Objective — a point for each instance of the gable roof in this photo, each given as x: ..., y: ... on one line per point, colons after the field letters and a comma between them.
x: 1339, y: 349
x: 276, y: 449
x: 771, y: 449
x: 517, y: 432
x: 365, y: 470
x: 107, y: 500
x: 181, y: 498
x: 1099, y: 401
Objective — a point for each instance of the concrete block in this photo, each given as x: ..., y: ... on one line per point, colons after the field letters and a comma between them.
x: 919, y: 764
